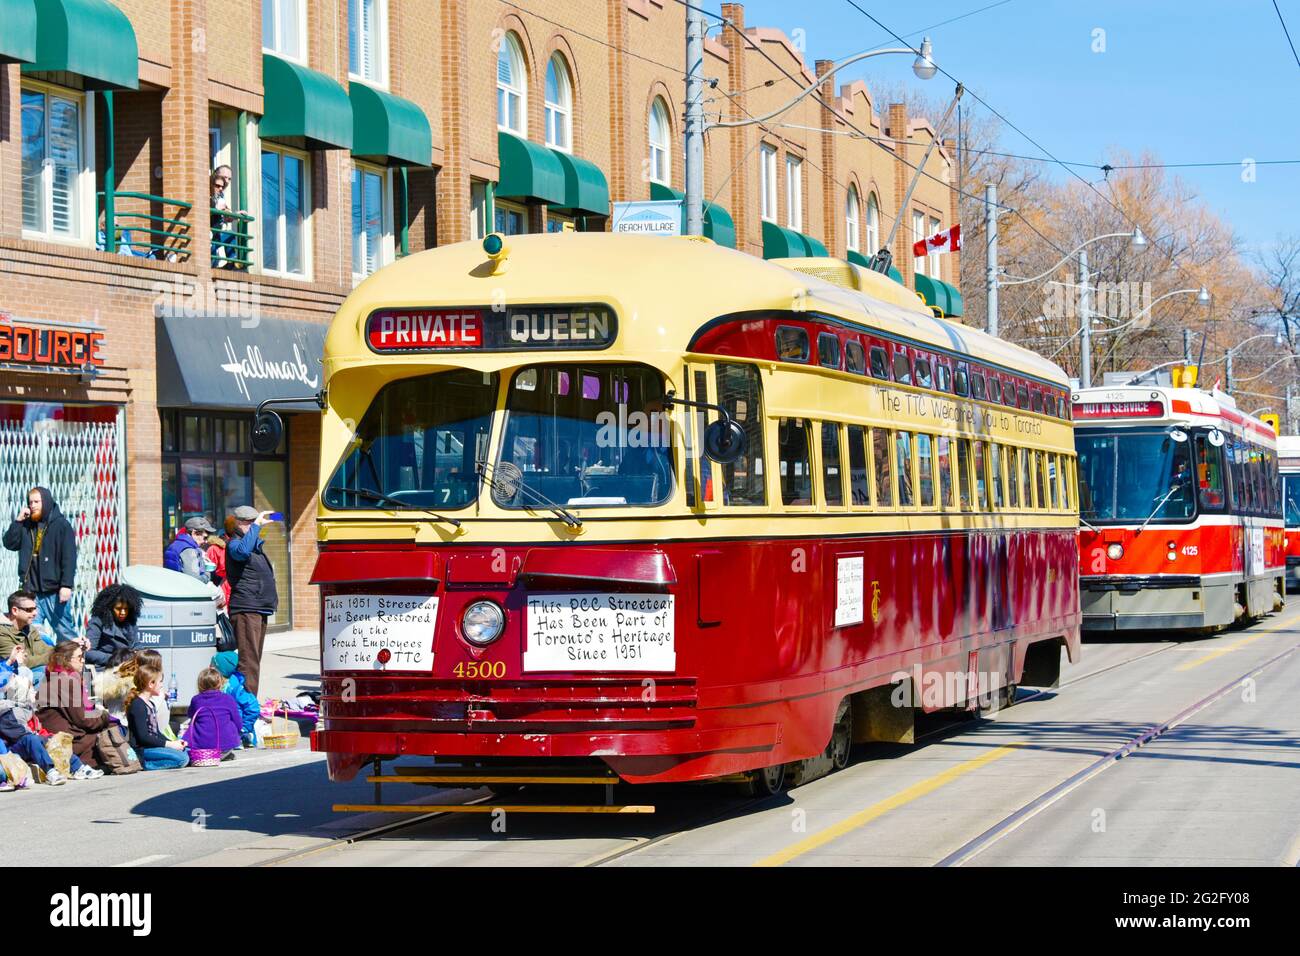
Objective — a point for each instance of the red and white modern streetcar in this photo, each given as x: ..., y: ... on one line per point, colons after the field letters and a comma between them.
x: 1288, y: 453
x: 1180, y: 508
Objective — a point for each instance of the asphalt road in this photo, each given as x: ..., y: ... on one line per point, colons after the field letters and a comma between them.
x: 1221, y: 787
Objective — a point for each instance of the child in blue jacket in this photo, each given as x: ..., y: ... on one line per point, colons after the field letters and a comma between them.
x: 227, y: 662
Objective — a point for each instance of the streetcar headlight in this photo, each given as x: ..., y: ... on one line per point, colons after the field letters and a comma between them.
x: 1115, y: 552
x: 1171, y: 556
x: 482, y: 622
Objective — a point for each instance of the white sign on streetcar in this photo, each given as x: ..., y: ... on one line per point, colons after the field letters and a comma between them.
x: 600, y: 632
x: 358, y: 626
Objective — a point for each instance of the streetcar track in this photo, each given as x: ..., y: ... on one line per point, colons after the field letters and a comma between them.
x: 712, y: 816
x: 1028, y: 811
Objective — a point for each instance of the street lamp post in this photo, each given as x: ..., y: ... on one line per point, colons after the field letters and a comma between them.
x: 695, y: 125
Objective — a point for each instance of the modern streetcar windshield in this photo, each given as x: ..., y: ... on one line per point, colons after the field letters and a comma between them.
x: 578, y: 435
x: 1291, y: 490
x: 1132, y: 476
x: 417, y: 445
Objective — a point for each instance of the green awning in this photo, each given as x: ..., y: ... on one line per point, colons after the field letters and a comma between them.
x: 90, y: 38
x: 586, y: 191
x: 858, y: 259
x: 388, y: 129
x: 939, y: 294
x: 782, y: 243
x: 894, y: 274
x: 18, y: 38
x: 529, y: 171
x: 304, y: 108
x: 718, y: 224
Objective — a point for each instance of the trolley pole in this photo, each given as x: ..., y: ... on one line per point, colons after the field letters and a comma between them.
x: 991, y: 239
x: 1187, y: 346
x: 694, y: 120
x: 1085, y: 323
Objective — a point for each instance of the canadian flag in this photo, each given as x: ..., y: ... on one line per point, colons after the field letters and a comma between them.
x: 948, y: 240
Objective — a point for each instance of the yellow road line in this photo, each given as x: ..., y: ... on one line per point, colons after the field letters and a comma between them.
x: 1235, y: 645
x: 862, y: 817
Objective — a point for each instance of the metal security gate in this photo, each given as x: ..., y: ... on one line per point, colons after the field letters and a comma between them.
x: 81, y: 463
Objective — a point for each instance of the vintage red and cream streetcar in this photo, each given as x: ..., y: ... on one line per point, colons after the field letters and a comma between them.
x: 676, y: 513
x: 1180, y: 508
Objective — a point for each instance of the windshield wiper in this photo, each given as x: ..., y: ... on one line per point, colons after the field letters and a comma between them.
x: 1159, y: 504
x: 387, y: 499
x: 510, y: 484
x: 1089, y: 525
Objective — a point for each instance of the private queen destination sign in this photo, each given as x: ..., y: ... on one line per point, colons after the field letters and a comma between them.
x: 485, y: 329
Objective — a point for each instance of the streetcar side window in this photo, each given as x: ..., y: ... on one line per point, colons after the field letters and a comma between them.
x: 944, y: 377
x: 995, y: 466
x: 903, y: 448
x: 977, y: 386
x: 832, y: 478
x: 791, y: 344
x: 963, y: 474
x: 925, y: 468
x: 995, y: 389
x: 902, y: 367
x: 945, y: 471
x: 981, y: 476
x: 740, y: 392
x: 1037, y: 400
x: 1053, y: 481
x: 1039, y: 470
x: 828, y: 350
x: 961, y: 382
x: 1022, y: 397
x: 796, y: 465
x: 859, y: 482
x: 1067, y: 468
x: 855, y: 359
x: 923, y: 377
x: 880, y: 453
x: 1026, y: 480
x: 1013, y: 484
x: 879, y: 364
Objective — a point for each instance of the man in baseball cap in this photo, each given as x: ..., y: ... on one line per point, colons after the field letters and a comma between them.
x: 185, y: 553
x: 253, y: 597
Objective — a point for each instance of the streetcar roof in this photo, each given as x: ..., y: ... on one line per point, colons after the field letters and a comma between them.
x: 1190, y: 405
x: 649, y: 280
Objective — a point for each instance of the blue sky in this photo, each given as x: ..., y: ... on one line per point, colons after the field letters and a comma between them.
x: 1192, y: 81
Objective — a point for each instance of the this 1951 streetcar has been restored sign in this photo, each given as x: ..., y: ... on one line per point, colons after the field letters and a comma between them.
x: 491, y: 329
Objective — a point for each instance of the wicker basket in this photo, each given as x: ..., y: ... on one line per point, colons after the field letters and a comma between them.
x: 283, y: 736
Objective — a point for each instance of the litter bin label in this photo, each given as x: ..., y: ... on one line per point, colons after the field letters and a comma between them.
x: 177, y: 637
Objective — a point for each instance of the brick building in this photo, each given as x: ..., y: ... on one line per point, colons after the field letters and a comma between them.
x: 142, y: 319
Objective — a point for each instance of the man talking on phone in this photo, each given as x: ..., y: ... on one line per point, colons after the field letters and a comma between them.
x: 253, y: 598
x: 47, y: 559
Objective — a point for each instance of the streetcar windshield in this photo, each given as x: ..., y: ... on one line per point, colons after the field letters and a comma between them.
x: 1292, y: 503
x: 417, y: 445
x: 584, y: 435
x: 1131, y: 476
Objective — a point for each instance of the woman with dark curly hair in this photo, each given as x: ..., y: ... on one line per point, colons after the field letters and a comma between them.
x: 112, y: 626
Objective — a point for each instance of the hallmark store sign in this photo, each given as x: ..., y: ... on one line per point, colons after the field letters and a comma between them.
x: 48, y: 344
x: 482, y: 328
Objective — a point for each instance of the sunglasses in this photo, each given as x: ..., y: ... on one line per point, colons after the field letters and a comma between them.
x: 28, y: 609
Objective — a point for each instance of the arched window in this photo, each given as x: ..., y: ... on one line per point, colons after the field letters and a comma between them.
x: 559, y: 104
x: 660, y: 137
x: 851, y: 220
x: 873, y: 225
x: 512, y: 86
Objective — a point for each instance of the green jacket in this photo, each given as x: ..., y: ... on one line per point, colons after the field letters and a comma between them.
x: 38, y: 652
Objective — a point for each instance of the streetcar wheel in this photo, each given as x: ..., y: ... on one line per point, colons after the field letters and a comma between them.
x: 841, y: 746
x: 766, y: 782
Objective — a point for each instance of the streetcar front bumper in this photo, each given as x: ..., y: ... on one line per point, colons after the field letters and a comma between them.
x: 1155, y: 602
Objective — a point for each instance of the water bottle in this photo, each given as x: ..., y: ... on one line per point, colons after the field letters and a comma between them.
x: 172, y: 692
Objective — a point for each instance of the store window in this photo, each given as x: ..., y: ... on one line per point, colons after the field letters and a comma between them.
x: 512, y: 87
x: 559, y: 104
x: 210, y: 468
x: 478, y: 209
x: 918, y: 234
x: 372, y: 232
x: 767, y: 181
x: 284, y: 212
x: 55, y: 203
x: 794, y: 192
x: 851, y: 220
x: 873, y: 224
x: 283, y: 28
x: 509, y: 219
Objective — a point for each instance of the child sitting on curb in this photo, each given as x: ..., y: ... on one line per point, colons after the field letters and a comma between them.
x: 227, y: 663
x: 214, y: 716
x: 155, y: 751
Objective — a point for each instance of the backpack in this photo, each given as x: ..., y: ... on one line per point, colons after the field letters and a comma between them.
x: 114, y: 753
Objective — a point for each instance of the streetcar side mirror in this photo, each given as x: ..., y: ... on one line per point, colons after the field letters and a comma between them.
x: 268, y: 431
x: 1178, y: 435
x: 725, y: 441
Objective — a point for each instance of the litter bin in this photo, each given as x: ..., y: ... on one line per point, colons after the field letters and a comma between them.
x: 179, y: 621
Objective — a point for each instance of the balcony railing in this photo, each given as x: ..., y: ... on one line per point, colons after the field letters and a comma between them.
x: 137, y: 229
x: 232, y: 246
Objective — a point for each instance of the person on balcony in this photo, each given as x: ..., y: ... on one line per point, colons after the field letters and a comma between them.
x: 226, y: 253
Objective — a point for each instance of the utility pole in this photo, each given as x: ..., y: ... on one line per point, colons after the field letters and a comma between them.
x: 694, y: 120
x: 1227, y: 371
x: 991, y: 240
x: 1290, y: 416
x: 1085, y: 323
x: 1187, y: 346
